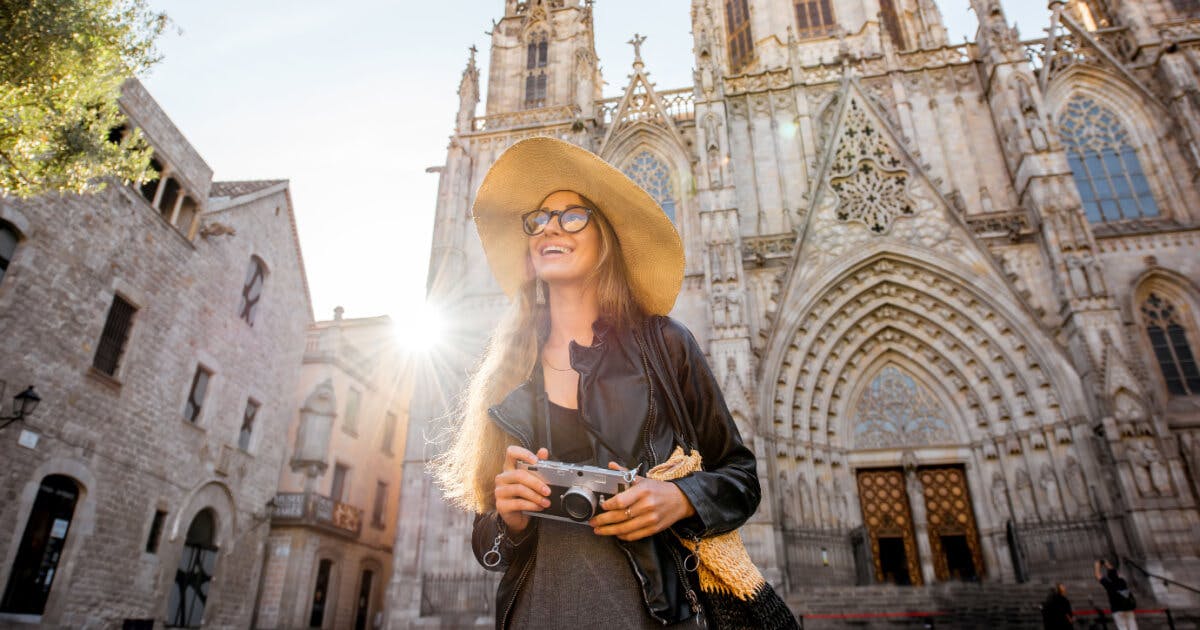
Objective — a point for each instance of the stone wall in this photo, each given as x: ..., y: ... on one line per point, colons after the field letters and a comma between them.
x: 124, y: 439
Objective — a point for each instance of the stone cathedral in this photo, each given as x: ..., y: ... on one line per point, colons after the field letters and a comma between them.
x: 951, y: 290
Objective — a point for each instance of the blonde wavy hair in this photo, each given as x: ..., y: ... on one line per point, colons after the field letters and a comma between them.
x: 467, y: 469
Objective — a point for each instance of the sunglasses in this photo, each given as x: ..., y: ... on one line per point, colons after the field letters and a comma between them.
x: 571, y: 219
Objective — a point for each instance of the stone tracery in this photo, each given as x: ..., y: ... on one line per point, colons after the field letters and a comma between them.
x: 880, y: 308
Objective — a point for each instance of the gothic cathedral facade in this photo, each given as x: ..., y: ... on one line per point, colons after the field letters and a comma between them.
x: 952, y: 291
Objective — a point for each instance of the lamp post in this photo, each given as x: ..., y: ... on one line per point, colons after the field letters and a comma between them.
x: 23, y: 405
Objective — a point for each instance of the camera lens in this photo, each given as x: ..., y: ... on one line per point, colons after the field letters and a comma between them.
x: 579, y: 503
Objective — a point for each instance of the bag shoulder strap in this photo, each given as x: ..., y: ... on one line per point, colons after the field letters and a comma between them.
x: 661, y: 364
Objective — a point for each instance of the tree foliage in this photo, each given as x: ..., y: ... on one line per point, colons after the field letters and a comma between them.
x: 62, y: 64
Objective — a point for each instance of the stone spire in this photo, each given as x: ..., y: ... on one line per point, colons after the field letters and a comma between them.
x: 468, y: 94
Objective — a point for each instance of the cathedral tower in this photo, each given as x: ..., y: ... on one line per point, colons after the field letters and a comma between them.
x: 543, y: 55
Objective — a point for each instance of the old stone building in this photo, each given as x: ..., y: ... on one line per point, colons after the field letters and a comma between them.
x: 163, y: 326
x: 329, y: 553
x: 951, y: 290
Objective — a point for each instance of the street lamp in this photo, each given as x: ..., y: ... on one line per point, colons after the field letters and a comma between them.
x: 23, y: 405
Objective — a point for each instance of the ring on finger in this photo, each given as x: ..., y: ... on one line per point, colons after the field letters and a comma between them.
x: 628, y: 514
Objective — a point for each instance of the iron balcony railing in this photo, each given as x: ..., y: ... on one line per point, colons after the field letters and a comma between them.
x: 299, y: 508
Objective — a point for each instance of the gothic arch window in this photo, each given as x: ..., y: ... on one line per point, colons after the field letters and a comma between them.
x: 1105, y: 163
x: 537, y: 55
x: 252, y: 290
x: 189, y: 594
x: 738, y: 39
x: 653, y: 175
x: 41, y: 547
x: 1167, y: 322
x: 895, y: 410
x: 814, y: 18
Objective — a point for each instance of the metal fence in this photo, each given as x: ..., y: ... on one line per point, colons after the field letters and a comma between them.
x: 458, y: 594
x: 1062, y: 549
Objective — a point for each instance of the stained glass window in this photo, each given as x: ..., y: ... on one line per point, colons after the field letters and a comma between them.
x: 1168, y: 338
x: 655, y: 178
x: 1105, y: 163
x: 895, y: 410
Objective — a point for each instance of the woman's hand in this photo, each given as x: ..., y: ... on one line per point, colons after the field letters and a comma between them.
x: 519, y: 490
x: 647, y: 508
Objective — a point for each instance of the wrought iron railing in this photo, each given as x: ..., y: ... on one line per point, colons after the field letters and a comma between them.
x: 1061, y: 548
x: 299, y: 508
x: 458, y: 593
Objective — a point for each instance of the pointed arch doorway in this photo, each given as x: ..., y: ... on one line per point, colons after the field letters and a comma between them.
x: 919, y: 520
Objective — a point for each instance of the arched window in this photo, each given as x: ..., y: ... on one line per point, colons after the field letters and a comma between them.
x: 8, y: 247
x: 738, y: 39
x: 189, y: 595
x: 252, y: 290
x: 814, y: 18
x: 537, y: 56
x: 41, y: 547
x: 655, y: 178
x: 1105, y: 163
x: 1164, y: 323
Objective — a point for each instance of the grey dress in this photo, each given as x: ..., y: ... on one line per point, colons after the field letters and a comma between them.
x: 579, y: 579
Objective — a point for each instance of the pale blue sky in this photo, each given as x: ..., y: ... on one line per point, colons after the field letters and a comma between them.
x: 353, y: 101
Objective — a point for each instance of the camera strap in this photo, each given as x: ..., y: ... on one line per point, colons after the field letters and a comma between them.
x: 585, y: 426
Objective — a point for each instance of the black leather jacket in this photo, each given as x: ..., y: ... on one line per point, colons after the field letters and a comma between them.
x: 615, y: 387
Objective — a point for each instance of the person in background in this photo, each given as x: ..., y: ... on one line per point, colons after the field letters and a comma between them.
x: 1120, y: 598
x: 1056, y: 610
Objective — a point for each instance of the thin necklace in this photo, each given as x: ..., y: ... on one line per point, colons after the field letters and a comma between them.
x: 546, y: 362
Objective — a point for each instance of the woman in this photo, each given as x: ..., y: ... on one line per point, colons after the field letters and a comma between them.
x: 568, y: 376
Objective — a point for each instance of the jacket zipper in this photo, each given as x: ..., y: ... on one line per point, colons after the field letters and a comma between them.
x: 517, y: 589
x: 653, y: 415
x: 691, y: 593
x: 693, y: 599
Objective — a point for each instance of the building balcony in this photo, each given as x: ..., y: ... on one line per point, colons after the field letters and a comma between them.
x: 317, y: 511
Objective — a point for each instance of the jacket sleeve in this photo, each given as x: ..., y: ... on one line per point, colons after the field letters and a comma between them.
x: 490, y: 533
x: 726, y: 493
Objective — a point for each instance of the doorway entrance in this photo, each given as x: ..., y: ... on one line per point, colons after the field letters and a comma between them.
x: 949, y: 520
x: 953, y: 536
x: 888, y: 519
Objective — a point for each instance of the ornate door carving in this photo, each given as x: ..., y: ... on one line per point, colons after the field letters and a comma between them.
x: 888, y: 517
x: 953, y: 536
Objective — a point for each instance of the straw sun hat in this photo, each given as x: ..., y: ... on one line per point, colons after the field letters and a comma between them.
x: 530, y: 170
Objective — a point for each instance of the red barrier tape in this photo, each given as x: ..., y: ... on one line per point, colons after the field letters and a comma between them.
x: 1139, y: 611
x: 936, y: 613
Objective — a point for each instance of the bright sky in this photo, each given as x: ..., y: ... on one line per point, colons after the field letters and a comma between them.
x: 352, y: 101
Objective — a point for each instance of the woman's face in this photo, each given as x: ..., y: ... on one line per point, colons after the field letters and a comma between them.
x: 561, y: 257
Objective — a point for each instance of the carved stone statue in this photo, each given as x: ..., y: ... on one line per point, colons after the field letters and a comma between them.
x: 1076, y: 488
x: 1079, y: 283
x: 999, y: 495
x: 1160, y: 476
x: 1025, y: 495
x: 1049, y: 486
x: 1141, y: 471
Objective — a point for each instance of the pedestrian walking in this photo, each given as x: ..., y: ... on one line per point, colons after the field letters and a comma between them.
x: 1120, y: 599
x: 1056, y: 610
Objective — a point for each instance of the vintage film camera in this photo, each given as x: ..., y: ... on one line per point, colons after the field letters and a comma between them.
x: 576, y: 491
